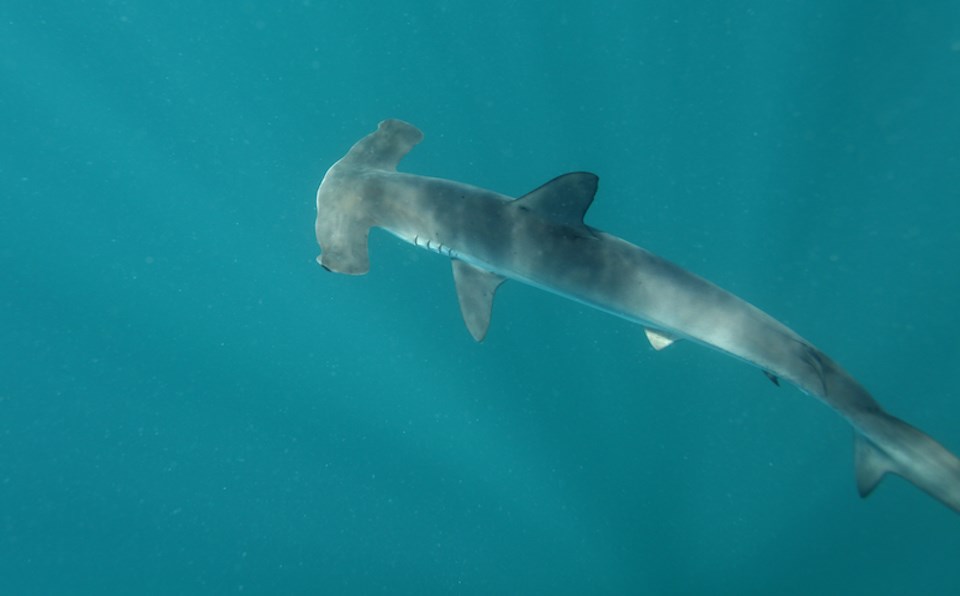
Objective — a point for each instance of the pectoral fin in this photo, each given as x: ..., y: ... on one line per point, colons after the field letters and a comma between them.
x: 870, y: 463
x: 475, y: 290
x: 658, y: 339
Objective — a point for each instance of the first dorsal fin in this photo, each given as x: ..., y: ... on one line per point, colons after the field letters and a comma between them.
x: 564, y: 199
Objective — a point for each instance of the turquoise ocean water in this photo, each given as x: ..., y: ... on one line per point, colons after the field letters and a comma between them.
x: 189, y: 404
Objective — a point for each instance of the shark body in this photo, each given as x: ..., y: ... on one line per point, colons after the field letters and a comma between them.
x: 540, y: 239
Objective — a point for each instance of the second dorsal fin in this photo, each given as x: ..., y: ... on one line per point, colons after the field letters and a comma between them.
x: 564, y: 199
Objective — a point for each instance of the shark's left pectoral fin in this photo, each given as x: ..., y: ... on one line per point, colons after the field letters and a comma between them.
x: 475, y: 290
x: 658, y: 339
x: 870, y: 464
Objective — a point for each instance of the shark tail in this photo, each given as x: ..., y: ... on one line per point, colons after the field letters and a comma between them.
x: 899, y: 448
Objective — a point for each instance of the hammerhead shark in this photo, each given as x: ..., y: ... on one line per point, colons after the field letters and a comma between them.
x: 540, y: 239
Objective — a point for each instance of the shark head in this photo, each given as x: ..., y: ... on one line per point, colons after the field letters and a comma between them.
x: 350, y: 192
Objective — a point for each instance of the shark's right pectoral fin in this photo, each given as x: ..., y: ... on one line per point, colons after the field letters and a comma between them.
x: 871, y: 465
x: 475, y: 290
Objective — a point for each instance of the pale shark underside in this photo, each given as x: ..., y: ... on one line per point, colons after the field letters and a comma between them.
x: 540, y: 239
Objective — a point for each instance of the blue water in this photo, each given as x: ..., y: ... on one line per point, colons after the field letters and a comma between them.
x: 189, y: 404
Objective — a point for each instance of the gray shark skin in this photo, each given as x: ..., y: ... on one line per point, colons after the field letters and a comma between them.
x: 540, y: 239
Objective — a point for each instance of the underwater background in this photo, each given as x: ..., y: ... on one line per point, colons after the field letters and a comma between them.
x: 190, y: 404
